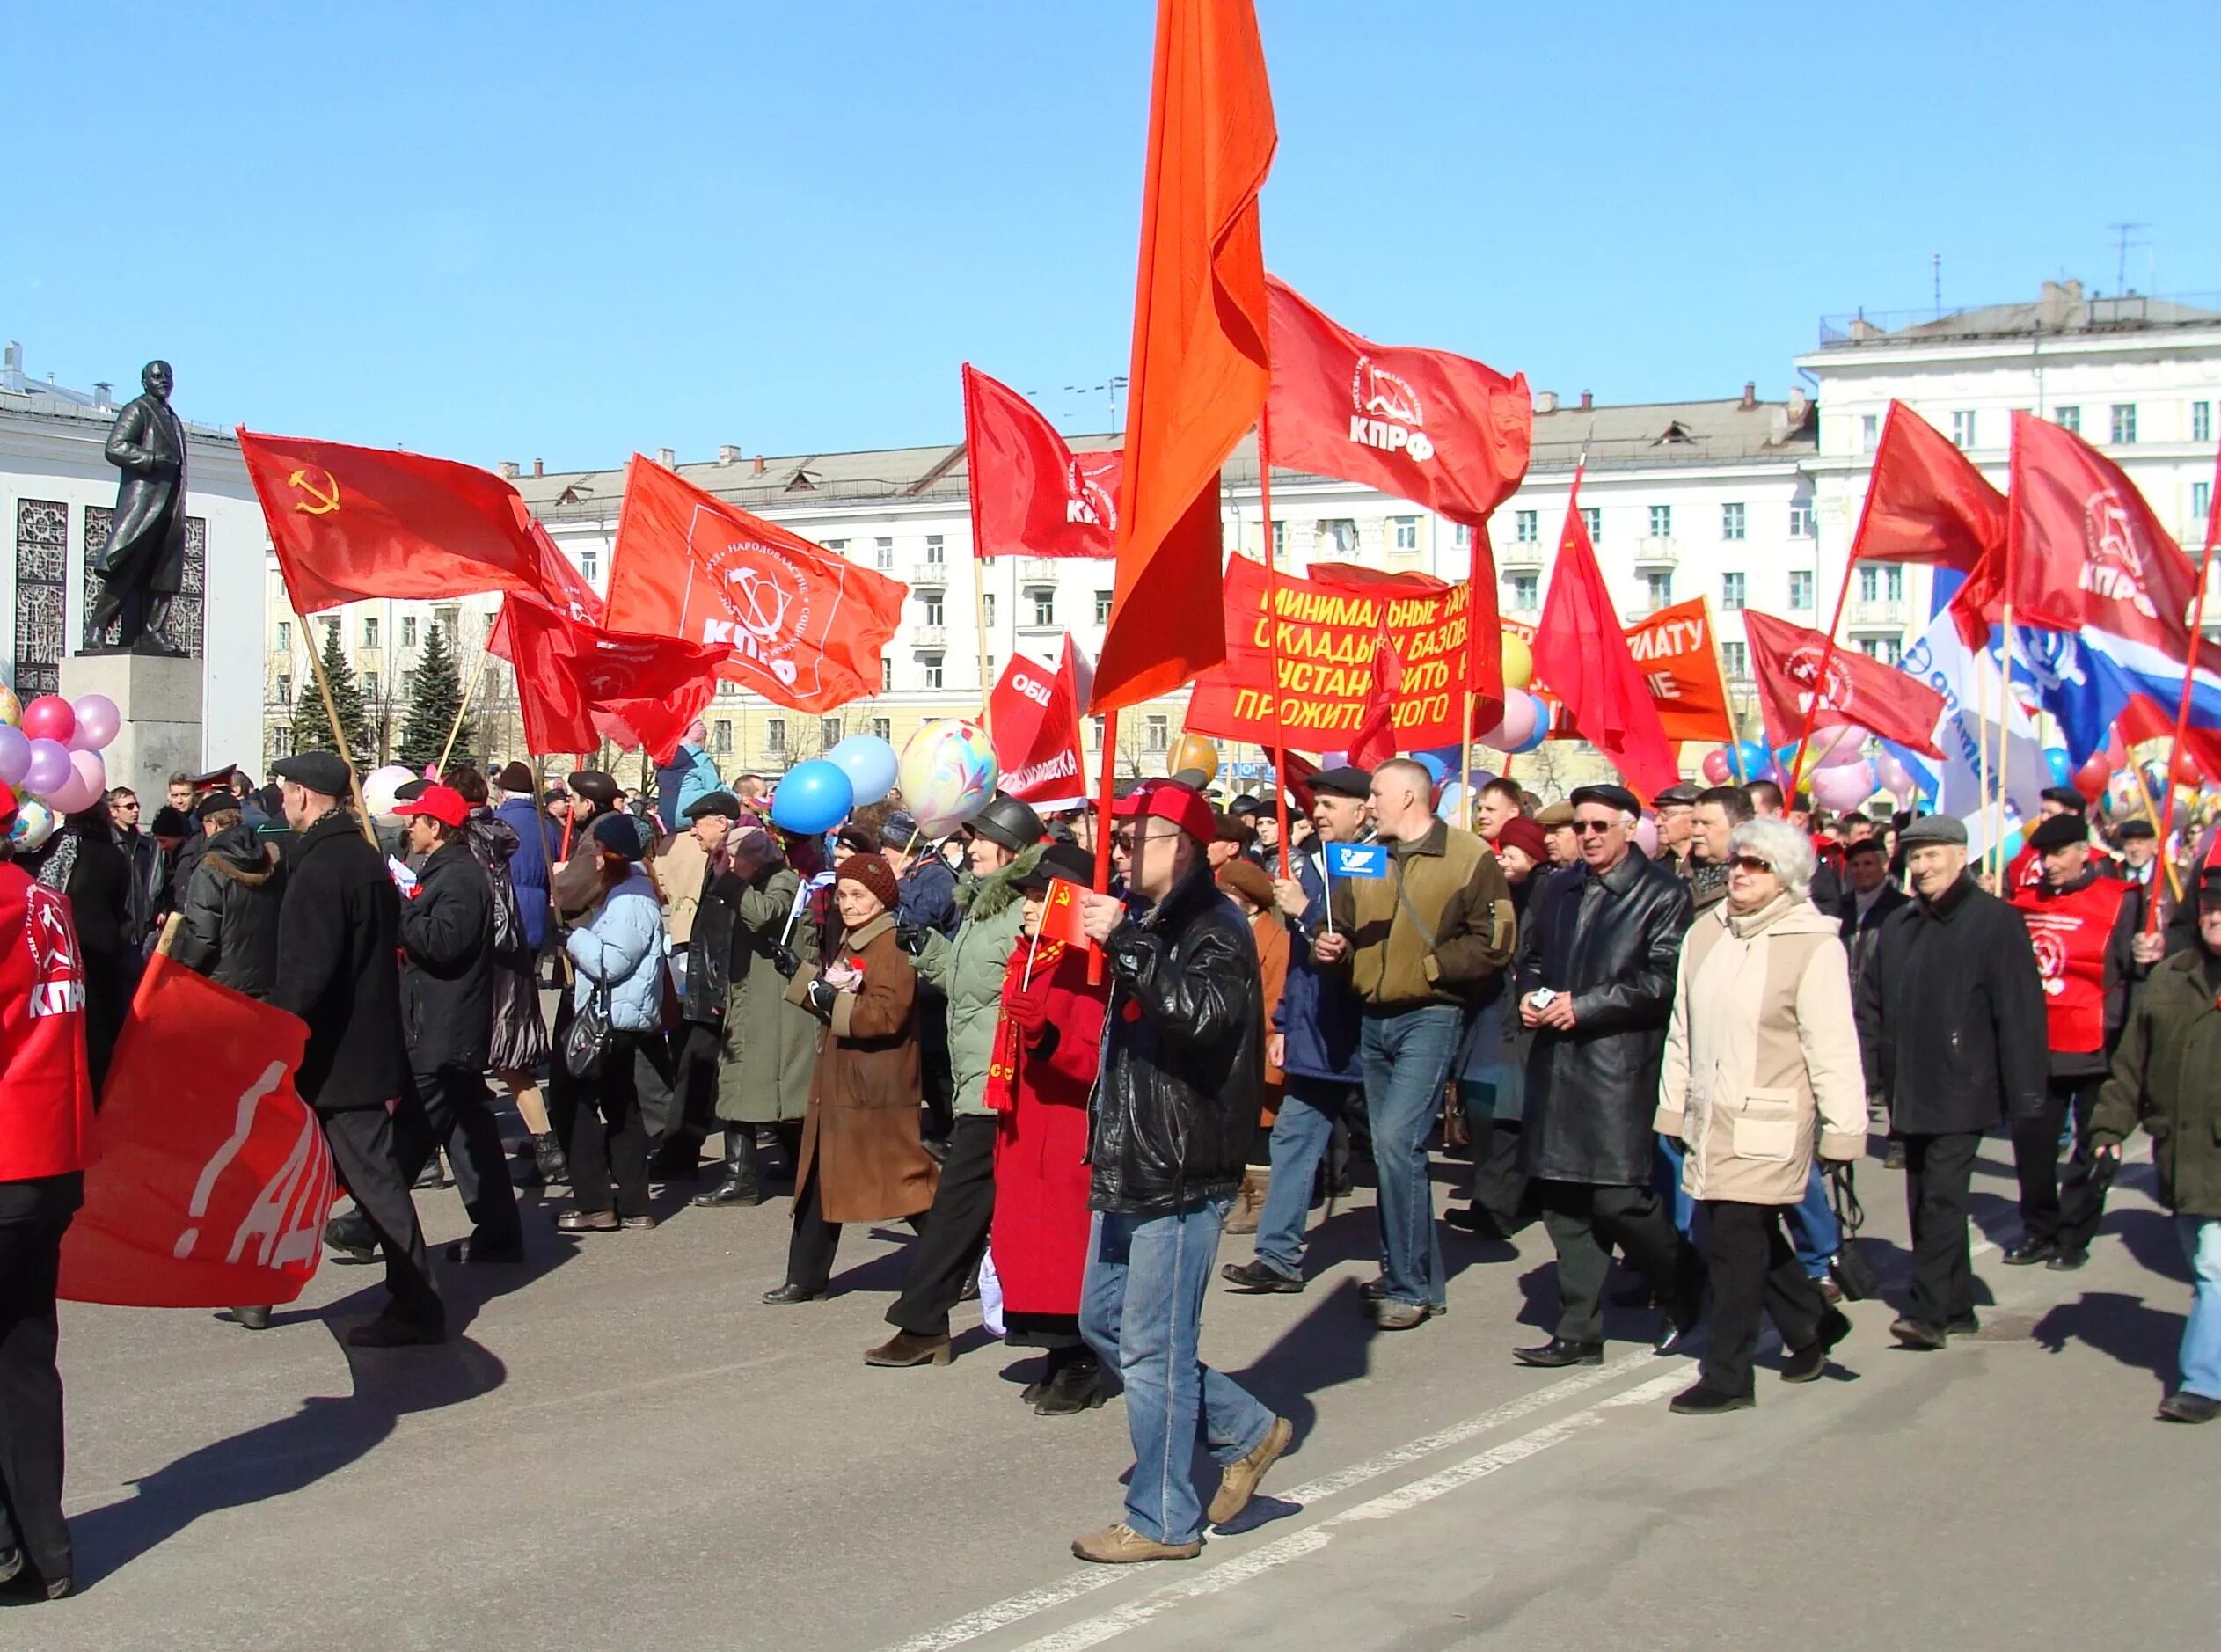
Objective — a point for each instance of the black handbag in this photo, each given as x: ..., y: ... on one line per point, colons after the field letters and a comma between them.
x: 1853, y: 1274
x: 586, y: 1043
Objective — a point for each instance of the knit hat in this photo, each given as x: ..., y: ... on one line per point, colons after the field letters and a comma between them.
x: 1523, y: 834
x: 620, y: 835
x: 517, y: 776
x: 872, y: 873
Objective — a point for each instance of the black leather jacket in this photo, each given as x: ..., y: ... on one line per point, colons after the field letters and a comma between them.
x: 709, y: 949
x: 1183, y: 1066
x: 1613, y: 943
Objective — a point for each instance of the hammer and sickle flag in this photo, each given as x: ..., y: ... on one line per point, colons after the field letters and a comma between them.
x: 351, y: 522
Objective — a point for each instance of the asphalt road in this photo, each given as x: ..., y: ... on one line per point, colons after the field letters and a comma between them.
x: 622, y: 1448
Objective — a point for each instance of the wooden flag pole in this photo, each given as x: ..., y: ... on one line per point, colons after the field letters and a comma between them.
x: 454, y: 731
x: 979, y: 618
x: 339, y: 738
x: 2005, y: 746
x: 2165, y: 821
x: 1272, y: 620
x: 1106, y: 795
x: 1820, y: 687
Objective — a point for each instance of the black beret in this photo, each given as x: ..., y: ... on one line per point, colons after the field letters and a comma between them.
x: 1067, y: 861
x: 2056, y: 831
x: 1610, y: 796
x: 216, y: 803
x: 170, y: 822
x: 321, y: 772
x: 1342, y: 782
x: 595, y: 786
x: 2129, y: 828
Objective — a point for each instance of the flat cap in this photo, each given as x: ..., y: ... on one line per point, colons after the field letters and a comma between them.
x: 1342, y: 782
x: 325, y: 773
x: 714, y: 803
x: 2056, y: 831
x: 1248, y: 879
x: 1067, y: 861
x: 2129, y: 829
x: 1610, y: 796
x: 216, y: 803
x: 1549, y: 817
x: 2066, y: 797
x: 1682, y: 793
x: 1934, y: 829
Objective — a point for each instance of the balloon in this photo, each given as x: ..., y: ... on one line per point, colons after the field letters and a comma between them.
x: 10, y: 707
x: 35, y: 824
x: 379, y: 786
x: 15, y: 754
x: 1647, y: 835
x: 2184, y: 770
x: 1718, y: 766
x: 1539, y: 715
x: 1455, y: 805
x: 93, y: 768
x: 1844, y: 787
x: 1895, y: 779
x: 1479, y: 778
x: 1749, y: 760
x: 1189, y: 751
x: 1519, y: 720
x: 870, y: 764
x: 1437, y: 770
x: 1833, y: 748
x: 48, y: 766
x: 2117, y: 754
x: 813, y: 797
x: 1519, y: 662
x: 2092, y: 777
x: 2061, y: 766
x: 99, y: 722
x: 2154, y: 772
x: 76, y: 790
x: 948, y: 774
x: 49, y: 718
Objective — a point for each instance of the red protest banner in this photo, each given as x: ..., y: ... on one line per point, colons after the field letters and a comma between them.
x: 1031, y: 495
x: 1673, y: 648
x: 1034, y: 717
x: 214, y: 1180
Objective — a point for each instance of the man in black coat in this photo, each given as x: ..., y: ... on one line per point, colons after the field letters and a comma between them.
x: 1594, y: 979
x: 709, y: 985
x: 1174, y: 1110
x: 1951, y: 1022
x: 338, y: 944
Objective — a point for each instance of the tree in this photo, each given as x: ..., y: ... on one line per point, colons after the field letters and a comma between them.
x: 435, y: 703
x: 312, y: 729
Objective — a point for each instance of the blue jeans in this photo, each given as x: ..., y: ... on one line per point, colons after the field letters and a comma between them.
x: 1406, y: 1057
x: 2201, y: 1236
x: 1141, y: 1311
x: 1813, y: 1227
x: 1301, y: 1132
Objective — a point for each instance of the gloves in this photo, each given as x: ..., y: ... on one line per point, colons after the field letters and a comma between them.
x: 783, y: 961
x: 819, y: 997
x: 910, y: 938
x: 1027, y: 1010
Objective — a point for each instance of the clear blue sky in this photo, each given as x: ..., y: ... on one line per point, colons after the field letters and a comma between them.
x: 563, y: 231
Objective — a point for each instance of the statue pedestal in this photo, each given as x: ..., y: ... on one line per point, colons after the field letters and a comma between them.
x: 161, y: 703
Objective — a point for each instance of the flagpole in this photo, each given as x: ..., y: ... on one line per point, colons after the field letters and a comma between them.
x: 2165, y: 821
x: 1819, y: 686
x: 1106, y: 795
x: 463, y: 711
x: 979, y: 577
x: 2004, y: 711
x: 339, y: 740
x: 1272, y: 622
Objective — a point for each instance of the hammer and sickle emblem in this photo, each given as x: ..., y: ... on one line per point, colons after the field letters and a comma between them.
x: 326, y: 502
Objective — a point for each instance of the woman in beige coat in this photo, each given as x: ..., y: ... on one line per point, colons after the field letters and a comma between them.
x: 1762, y: 1058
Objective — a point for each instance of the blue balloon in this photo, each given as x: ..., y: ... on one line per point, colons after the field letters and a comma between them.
x: 1748, y: 758
x: 1437, y: 770
x: 2062, y: 768
x: 869, y: 764
x: 813, y: 797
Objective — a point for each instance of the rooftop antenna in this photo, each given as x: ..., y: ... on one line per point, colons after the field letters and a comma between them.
x: 2121, y: 243
x: 1935, y: 282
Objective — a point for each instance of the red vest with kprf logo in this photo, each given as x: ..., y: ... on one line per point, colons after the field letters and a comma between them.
x: 46, y: 1089
x: 2070, y: 931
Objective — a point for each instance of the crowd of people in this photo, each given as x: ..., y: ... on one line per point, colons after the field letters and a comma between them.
x: 1671, y: 1054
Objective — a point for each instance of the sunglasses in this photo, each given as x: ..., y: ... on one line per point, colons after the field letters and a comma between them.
x: 1750, y: 863
x: 1124, y: 842
x: 1591, y: 828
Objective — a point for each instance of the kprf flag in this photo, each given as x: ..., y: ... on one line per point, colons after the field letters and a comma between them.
x: 567, y: 670
x: 350, y: 523
x: 215, y: 1181
x: 798, y: 625
x: 1447, y: 432
x: 1031, y: 495
x: 1786, y: 661
x: 1199, y: 370
x: 1034, y: 715
x: 1925, y: 502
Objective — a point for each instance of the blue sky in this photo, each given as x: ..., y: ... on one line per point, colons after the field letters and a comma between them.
x: 564, y: 232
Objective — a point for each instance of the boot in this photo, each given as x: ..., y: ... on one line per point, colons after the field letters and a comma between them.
x: 1077, y: 1387
x: 738, y: 1185
x: 1249, y: 1203
x: 554, y: 1171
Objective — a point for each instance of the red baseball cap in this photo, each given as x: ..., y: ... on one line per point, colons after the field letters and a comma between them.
x: 1168, y: 800
x: 443, y: 803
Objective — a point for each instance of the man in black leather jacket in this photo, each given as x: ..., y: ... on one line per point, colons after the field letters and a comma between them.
x: 1175, y: 1105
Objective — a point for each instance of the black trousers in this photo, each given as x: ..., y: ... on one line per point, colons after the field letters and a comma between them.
x: 609, y: 1140
x: 809, y: 1251
x: 2047, y: 1216
x: 455, y: 1107
x: 1754, y: 1273
x: 561, y: 1093
x: 33, y: 1216
x: 693, y: 1085
x: 1938, y: 1169
x: 1585, y: 1221
x: 1499, y: 1185
x: 957, y: 1228
x: 368, y: 1158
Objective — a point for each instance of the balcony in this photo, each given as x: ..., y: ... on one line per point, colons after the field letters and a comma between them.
x: 924, y: 572
x: 1521, y: 553
x: 1882, y: 614
x: 1657, y: 551
x: 929, y: 638
x: 1037, y: 570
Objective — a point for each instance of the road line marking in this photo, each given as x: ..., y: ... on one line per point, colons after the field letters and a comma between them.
x: 1646, y: 1393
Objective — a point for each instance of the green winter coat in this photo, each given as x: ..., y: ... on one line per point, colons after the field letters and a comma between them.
x: 771, y: 1046
x: 968, y: 969
x: 2166, y: 1076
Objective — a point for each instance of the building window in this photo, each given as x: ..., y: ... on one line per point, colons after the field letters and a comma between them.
x: 1963, y: 428
x: 1592, y: 517
x: 1157, y: 732
x: 775, y: 735
x: 932, y: 667
x: 987, y: 664
x: 936, y: 551
x: 1337, y: 537
x: 1279, y: 539
x: 590, y: 562
x: 2124, y: 423
x: 1464, y: 537
x: 1799, y: 591
x: 408, y: 685
x: 1094, y: 734
x: 1734, y: 593
x: 285, y: 636
x: 1886, y: 584
x: 1801, y: 522
x: 931, y: 611
x: 721, y: 737
x: 1045, y: 608
x: 369, y: 634
x: 1731, y: 522
x: 2201, y: 504
x: 838, y: 547
x: 1869, y: 431
x: 285, y: 690
x: 1889, y: 650
x: 1103, y: 607
x: 2068, y: 418
x: 987, y: 608
x: 2200, y: 421
x: 1526, y: 526
x: 408, y: 630
x: 369, y: 685
x: 1658, y: 589
x: 828, y: 733
x: 1735, y: 658
x: 1407, y: 533
x: 885, y: 675
x: 882, y: 553
x: 1662, y: 522
x: 1523, y: 592
x: 883, y: 729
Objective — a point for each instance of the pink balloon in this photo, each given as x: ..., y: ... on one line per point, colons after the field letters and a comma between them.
x: 1518, y: 726
x: 1833, y: 748
x: 92, y: 768
x: 49, y: 718
x: 48, y: 767
x: 98, y: 722
x: 1844, y: 787
x: 1647, y: 835
x: 1895, y: 777
x: 1717, y: 769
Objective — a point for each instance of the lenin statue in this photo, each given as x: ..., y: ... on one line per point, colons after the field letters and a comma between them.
x: 142, y: 563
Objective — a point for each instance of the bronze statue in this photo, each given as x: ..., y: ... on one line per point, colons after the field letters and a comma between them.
x: 141, y: 562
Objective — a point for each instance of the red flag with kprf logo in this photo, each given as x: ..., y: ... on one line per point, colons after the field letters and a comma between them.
x: 798, y: 625
x: 1034, y: 716
x: 1031, y: 495
x: 1785, y: 660
x: 2086, y: 547
x: 567, y: 670
x: 215, y: 1180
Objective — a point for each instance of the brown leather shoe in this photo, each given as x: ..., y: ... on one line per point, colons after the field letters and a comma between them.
x: 586, y: 1222
x: 902, y: 1349
x: 1249, y: 1203
x: 1122, y: 1546
x: 1238, y: 1480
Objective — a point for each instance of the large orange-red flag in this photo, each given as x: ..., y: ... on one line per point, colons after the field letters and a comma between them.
x: 1200, y: 368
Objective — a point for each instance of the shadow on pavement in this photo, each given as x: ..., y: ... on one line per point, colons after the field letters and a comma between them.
x: 2118, y: 1325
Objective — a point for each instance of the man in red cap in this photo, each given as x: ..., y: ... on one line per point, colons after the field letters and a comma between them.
x: 1183, y: 1072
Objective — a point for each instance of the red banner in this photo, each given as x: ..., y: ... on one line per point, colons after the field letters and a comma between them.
x: 1785, y: 660
x: 214, y: 1180
x: 2086, y: 547
x: 1675, y: 651
x: 1328, y: 636
x: 800, y: 625
x: 566, y: 671
x: 1925, y: 502
x: 1031, y: 495
x: 1034, y: 717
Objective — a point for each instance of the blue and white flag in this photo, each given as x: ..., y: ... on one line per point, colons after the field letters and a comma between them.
x: 1358, y: 860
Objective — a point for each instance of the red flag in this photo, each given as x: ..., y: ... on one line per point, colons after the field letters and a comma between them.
x: 1034, y: 716
x: 215, y: 1179
x: 562, y: 586
x: 1681, y: 669
x: 800, y: 625
x: 1925, y: 501
x: 1031, y: 495
x: 1061, y: 914
x: 566, y: 671
x: 1977, y: 604
x: 351, y: 522
x: 1374, y: 742
x: 1348, y: 574
x: 1784, y: 658
x: 2085, y: 546
x: 1581, y: 652
x: 1199, y: 371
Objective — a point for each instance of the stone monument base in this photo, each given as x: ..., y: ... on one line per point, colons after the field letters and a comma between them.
x: 160, y: 700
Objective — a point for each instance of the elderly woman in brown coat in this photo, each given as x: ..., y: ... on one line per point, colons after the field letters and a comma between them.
x: 861, y: 1160
x: 1761, y: 1065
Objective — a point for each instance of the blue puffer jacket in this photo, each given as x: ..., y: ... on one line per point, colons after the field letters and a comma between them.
x: 622, y: 950
x: 691, y: 774
x: 1319, y: 1014
x: 528, y: 866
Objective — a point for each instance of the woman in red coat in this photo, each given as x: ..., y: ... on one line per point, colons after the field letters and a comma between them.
x: 1046, y: 1048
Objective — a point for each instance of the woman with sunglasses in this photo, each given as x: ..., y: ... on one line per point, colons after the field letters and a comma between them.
x: 1762, y: 1064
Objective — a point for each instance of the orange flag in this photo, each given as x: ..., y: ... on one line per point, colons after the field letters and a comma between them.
x: 1200, y: 368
